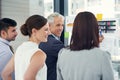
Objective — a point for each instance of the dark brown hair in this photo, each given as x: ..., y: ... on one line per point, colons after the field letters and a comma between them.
x: 6, y: 23
x: 85, y: 34
x: 34, y: 21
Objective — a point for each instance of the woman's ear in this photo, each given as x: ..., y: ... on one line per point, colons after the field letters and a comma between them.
x: 33, y: 30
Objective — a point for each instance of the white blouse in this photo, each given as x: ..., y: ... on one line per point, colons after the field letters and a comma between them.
x: 22, y: 60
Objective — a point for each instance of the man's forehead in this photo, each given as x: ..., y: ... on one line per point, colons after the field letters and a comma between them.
x: 12, y: 27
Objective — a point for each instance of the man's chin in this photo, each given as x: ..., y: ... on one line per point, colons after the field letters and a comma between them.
x: 59, y: 35
x: 13, y: 40
x: 46, y: 40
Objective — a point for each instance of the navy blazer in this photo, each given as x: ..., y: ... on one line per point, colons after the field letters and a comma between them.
x: 51, y: 48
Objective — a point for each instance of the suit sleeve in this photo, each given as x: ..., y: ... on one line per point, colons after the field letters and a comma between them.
x: 56, y: 47
x: 52, y: 47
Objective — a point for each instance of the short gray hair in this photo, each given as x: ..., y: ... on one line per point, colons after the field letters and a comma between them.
x: 50, y: 18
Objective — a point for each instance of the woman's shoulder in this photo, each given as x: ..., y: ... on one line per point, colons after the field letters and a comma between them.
x: 101, y: 52
x: 64, y: 51
x: 40, y: 53
x: 92, y: 51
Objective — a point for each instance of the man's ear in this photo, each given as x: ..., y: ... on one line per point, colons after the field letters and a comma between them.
x: 50, y: 24
x: 3, y: 34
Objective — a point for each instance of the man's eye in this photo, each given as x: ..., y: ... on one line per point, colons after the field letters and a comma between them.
x: 58, y: 25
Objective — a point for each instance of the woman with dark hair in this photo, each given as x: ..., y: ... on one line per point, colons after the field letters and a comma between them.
x: 83, y: 60
x: 29, y: 60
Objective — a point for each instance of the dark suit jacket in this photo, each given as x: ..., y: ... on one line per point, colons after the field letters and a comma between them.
x: 51, y: 48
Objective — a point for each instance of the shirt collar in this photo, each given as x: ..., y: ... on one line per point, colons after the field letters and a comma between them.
x: 4, y: 41
x: 55, y: 37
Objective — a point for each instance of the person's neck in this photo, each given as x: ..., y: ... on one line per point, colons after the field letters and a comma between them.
x: 5, y: 39
x: 33, y: 40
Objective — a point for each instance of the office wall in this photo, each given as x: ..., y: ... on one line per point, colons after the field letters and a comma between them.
x: 20, y: 10
x: 36, y: 7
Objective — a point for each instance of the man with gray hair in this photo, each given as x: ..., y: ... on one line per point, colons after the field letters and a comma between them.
x: 53, y: 45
